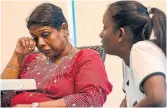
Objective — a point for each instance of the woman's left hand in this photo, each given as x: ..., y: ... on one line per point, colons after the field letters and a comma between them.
x: 22, y: 106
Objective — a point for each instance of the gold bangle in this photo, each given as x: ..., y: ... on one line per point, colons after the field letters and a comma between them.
x: 14, y: 67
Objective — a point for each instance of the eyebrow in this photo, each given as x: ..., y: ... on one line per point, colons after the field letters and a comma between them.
x: 42, y: 29
x: 38, y: 31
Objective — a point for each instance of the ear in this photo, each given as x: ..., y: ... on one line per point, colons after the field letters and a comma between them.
x: 64, y: 29
x: 64, y: 26
x: 121, y: 34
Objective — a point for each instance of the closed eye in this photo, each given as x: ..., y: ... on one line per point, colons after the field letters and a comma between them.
x: 35, y: 39
x: 45, y: 34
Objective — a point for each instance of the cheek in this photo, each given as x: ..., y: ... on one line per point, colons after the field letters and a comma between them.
x: 106, y: 37
x: 57, y: 45
x: 53, y: 44
x: 109, y: 42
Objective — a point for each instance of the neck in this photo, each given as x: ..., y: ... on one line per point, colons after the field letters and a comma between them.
x: 66, y: 52
x: 125, y: 55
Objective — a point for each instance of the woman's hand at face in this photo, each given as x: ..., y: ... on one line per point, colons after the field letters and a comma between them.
x: 25, y: 46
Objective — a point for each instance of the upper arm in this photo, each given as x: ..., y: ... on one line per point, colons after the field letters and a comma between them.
x: 149, y: 67
x: 91, y: 75
x: 26, y: 64
x: 155, y: 88
x: 91, y: 83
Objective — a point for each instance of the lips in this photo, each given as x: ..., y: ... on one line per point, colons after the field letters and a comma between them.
x: 46, y: 51
x: 101, y: 41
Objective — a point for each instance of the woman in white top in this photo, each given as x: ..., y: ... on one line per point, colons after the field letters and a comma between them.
x: 127, y: 29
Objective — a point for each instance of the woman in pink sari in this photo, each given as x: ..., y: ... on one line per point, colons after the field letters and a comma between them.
x: 65, y: 76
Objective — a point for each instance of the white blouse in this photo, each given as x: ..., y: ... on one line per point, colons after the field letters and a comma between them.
x: 146, y: 60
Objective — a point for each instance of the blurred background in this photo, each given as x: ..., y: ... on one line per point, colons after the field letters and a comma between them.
x: 85, y: 24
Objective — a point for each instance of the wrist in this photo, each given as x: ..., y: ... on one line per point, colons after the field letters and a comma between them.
x: 18, y: 55
x: 16, y: 60
x: 35, y: 105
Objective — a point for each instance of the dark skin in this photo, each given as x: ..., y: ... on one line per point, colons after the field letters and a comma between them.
x: 123, y: 103
x: 118, y: 41
x: 113, y: 39
x: 52, y: 43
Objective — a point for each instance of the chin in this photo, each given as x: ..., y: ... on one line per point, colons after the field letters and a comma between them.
x: 105, y: 50
x: 48, y: 55
x: 109, y: 52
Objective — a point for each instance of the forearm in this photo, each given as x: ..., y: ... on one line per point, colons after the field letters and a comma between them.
x: 12, y: 73
x: 123, y: 103
x: 75, y: 100
x: 150, y: 102
x: 85, y: 100
x: 53, y: 103
x: 48, y: 104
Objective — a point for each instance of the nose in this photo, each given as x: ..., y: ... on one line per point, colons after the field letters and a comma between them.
x: 41, y: 42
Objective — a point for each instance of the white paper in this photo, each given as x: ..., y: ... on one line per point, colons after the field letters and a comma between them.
x: 18, y: 84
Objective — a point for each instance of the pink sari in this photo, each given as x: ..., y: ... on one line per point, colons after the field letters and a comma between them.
x: 80, y: 80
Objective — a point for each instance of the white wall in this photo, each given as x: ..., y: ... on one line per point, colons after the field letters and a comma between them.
x: 89, y: 15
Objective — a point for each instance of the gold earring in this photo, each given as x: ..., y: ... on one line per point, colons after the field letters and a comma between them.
x: 65, y: 32
x: 65, y: 35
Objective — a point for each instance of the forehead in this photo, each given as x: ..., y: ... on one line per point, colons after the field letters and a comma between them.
x: 106, y: 18
x: 38, y: 28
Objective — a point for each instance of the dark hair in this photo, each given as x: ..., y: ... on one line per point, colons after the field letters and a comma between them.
x: 136, y: 16
x: 47, y: 14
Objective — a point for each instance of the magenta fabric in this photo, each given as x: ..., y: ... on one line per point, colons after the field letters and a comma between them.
x: 83, y: 84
